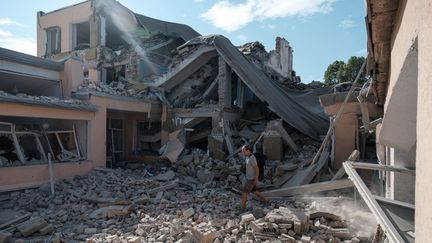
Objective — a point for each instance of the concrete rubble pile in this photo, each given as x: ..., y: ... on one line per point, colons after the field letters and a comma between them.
x: 41, y: 99
x: 129, y: 206
x: 198, y: 167
x: 120, y: 88
x: 189, y: 93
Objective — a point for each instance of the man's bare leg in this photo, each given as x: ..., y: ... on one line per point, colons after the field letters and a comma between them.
x: 261, y: 197
x: 243, y: 200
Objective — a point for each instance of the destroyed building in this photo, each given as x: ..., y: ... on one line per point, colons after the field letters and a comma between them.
x: 113, y: 88
x: 153, y: 82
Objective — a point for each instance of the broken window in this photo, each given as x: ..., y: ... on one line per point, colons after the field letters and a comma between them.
x: 149, y: 137
x: 115, y: 148
x: 114, y: 74
x: 28, y: 141
x: 53, y: 44
x: 81, y: 36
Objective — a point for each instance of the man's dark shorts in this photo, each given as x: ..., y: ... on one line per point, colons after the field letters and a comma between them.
x: 249, y: 186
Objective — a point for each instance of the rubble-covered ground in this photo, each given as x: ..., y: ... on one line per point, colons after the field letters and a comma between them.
x: 161, y: 203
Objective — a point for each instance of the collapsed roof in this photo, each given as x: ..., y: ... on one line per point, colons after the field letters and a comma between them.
x: 167, y: 28
x: 299, y: 108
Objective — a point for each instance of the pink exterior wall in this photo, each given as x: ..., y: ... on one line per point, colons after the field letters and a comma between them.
x: 345, y: 133
x: 14, y: 178
x: 64, y: 19
x: 13, y: 109
x: 128, y: 111
x: 72, y: 76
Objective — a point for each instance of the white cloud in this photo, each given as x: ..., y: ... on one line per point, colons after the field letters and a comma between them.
x: 347, y: 24
x: 242, y: 37
x: 9, y: 22
x: 268, y: 26
x: 14, y: 42
x: 17, y: 43
x: 4, y: 33
x: 20, y: 44
x: 231, y: 17
x: 362, y: 52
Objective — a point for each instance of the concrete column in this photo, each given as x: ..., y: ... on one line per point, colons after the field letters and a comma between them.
x: 423, y: 195
x: 96, y: 146
x: 224, y: 87
x: 345, y: 134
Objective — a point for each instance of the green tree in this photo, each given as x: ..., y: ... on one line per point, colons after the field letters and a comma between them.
x: 331, y: 74
x: 340, y: 72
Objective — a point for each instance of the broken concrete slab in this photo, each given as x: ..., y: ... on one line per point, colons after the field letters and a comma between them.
x: 5, y: 237
x: 167, y: 176
x: 247, y: 218
x: 32, y: 226
x: 188, y: 213
x: 310, y: 188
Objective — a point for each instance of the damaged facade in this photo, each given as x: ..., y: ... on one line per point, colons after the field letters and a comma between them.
x: 399, y: 38
x: 144, y: 86
x: 113, y: 88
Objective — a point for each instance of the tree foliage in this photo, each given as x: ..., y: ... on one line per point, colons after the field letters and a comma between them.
x: 341, y: 72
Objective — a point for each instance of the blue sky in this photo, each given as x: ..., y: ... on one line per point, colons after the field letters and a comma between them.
x: 319, y: 31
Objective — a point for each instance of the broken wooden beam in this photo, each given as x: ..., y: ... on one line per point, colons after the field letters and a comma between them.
x: 227, y: 135
x: 171, y: 185
x: 353, y: 157
x: 16, y: 220
x: 31, y: 226
x: 305, y: 176
x: 310, y: 188
x: 278, y: 127
x: 370, y: 166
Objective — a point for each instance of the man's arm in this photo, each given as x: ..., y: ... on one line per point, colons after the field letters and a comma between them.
x: 256, y: 173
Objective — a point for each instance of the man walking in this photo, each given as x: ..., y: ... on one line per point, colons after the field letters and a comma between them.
x: 252, y: 173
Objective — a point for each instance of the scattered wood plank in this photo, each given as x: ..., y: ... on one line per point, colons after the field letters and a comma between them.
x: 353, y: 157
x: 310, y: 188
x: 227, y: 136
x: 16, y: 220
x: 31, y: 226
x: 305, y: 175
x: 210, y: 89
x: 240, y: 192
x: 277, y: 125
x: 326, y: 215
x: 171, y: 185
x: 283, y: 179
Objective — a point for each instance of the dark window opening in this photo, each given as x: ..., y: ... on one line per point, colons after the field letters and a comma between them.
x: 53, y: 45
x: 115, y: 74
x: 149, y: 139
x: 114, y: 36
x: 81, y: 36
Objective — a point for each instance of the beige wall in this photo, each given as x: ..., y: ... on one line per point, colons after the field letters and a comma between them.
x: 71, y: 76
x: 15, y: 178
x: 64, y: 19
x: 424, y: 126
x: 405, y: 31
x: 413, y: 22
x: 345, y: 134
x: 12, y: 109
x: 28, y: 176
x: 128, y: 111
